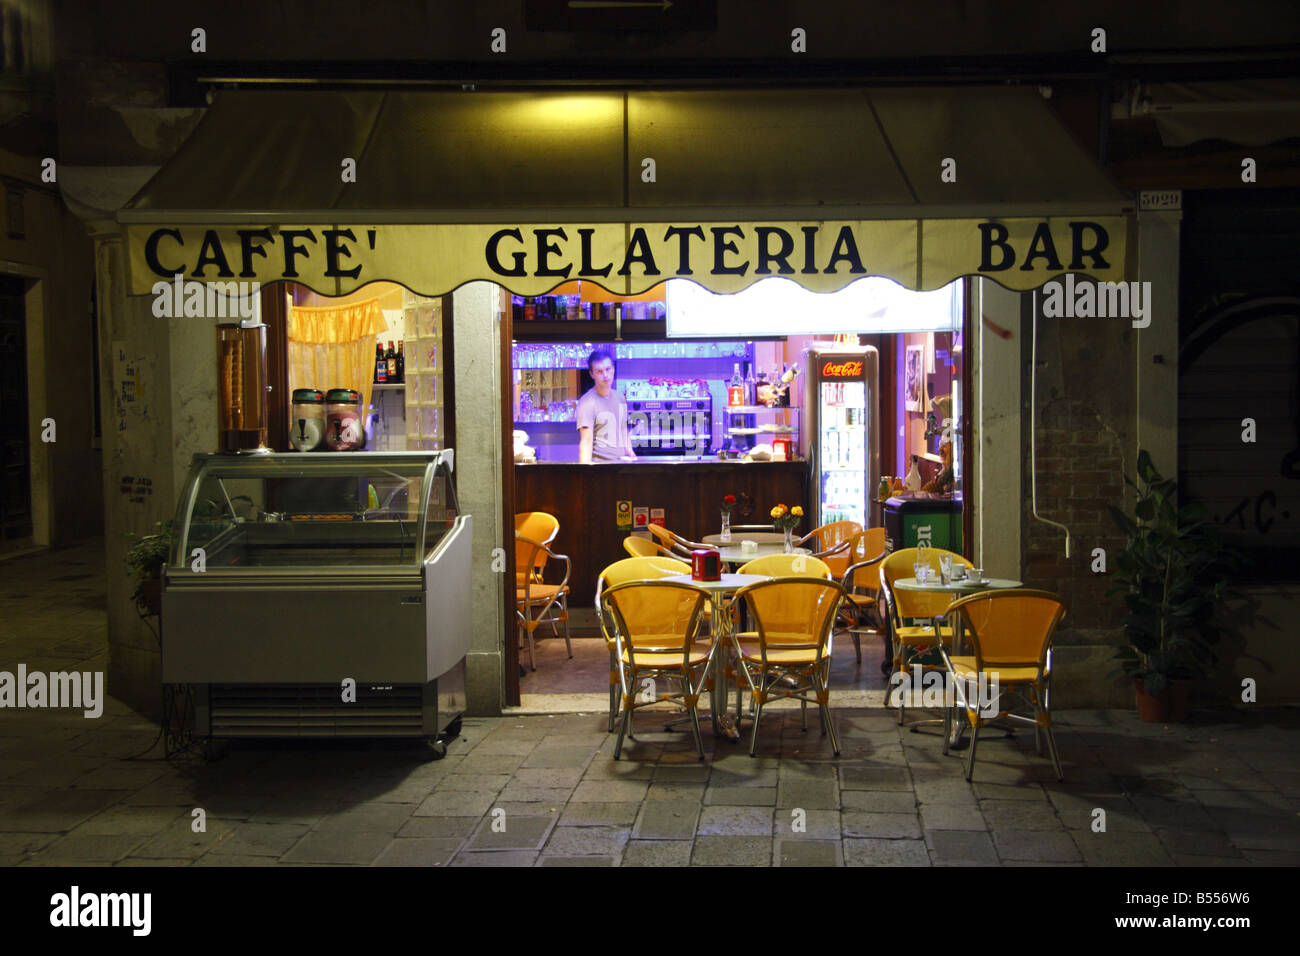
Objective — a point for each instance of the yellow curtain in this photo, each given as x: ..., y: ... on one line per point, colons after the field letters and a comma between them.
x: 334, y: 347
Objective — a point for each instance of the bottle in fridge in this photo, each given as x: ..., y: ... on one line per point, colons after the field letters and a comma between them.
x: 841, y: 440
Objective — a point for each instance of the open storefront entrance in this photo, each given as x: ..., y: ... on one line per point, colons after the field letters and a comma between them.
x: 460, y: 197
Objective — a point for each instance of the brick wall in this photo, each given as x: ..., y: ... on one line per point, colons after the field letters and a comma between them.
x: 1080, y: 471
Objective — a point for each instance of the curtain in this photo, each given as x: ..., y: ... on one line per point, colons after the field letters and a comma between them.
x: 334, y: 347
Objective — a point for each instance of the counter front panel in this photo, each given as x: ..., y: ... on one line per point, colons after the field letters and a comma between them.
x: 585, y: 500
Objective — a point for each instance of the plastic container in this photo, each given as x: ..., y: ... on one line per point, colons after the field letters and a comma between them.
x: 343, y: 427
x: 307, y: 419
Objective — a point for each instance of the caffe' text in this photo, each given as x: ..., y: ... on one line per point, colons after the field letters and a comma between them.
x: 852, y: 369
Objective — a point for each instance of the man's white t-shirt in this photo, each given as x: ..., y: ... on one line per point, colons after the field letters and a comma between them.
x: 607, y: 419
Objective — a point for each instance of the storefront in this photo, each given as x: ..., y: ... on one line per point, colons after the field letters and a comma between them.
x: 604, y: 214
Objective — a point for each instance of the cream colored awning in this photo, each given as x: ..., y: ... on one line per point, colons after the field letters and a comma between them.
x: 783, y: 161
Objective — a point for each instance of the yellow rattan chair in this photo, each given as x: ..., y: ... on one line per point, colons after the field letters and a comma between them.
x: 908, y: 641
x: 537, y: 602
x: 639, y: 547
x: 861, y: 580
x: 655, y: 626
x: 832, y: 543
x: 789, y: 652
x: 1010, y: 634
x: 621, y: 572
x: 787, y: 566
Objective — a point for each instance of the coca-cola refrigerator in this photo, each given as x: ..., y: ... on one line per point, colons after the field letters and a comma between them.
x: 841, y: 437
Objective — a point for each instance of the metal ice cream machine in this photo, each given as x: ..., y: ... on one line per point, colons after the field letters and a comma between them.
x: 320, y: 595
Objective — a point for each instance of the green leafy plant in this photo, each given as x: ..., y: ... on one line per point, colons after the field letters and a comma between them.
x: 1174, y: 575
x: 147, y: 557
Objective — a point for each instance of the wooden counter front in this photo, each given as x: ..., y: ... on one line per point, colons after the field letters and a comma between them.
x: 585, y: 499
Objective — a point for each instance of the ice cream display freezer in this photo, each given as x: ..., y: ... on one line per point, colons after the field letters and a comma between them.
x: 321, y: 595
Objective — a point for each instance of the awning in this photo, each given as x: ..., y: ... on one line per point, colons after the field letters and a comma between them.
x: 531, y: 189
x: 1243, y: 112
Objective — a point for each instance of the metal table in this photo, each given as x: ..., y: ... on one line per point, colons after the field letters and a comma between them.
x: 723, y: 723
x: 768, y: 544
x: 761, y: 537
x: 957, y: 589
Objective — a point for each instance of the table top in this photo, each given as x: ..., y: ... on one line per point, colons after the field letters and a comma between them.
x: 728, y: 582
x: 732, y: 552
x: 761, y: 537
x: 956, y: 587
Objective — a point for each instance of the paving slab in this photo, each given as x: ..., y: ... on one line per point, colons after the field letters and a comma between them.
x: 418, y: 851
x: 732, y: 851
x: 660, y: 853
x: 960, y: 848
x: 808, y: 853
x: 880, y: 852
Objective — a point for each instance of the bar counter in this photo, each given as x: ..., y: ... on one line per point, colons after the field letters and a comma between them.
x: 585, y: 500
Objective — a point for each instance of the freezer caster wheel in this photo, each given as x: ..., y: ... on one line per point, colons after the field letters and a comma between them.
x: 452, y: 731
x: 437, y: 748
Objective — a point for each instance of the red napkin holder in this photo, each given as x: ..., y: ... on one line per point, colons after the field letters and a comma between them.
x: 706, y: 565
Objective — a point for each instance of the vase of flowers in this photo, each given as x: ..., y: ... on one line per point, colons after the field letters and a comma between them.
x: 786, y: 519
x: 728, y: 502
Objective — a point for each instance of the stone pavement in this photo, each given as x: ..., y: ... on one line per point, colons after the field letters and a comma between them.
x: 1214, y: 793
x: 1223, y: 789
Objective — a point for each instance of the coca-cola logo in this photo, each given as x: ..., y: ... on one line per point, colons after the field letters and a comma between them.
x: 851, y: 369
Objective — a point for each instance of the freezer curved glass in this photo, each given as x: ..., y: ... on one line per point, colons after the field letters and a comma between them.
x: 317, y: 511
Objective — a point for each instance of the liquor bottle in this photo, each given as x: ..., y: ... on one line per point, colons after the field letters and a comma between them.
x: 751, y: 386
x: 787, y: 382
x: 391, y: 356
x: 913, y: 480
x: 736, y: 388
x: 381, y: 365
x: 401, y: 362
x: 762, y: 389
x: 530, y: 309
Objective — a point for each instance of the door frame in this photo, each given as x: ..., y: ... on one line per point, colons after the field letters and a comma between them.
x: 40, y: 481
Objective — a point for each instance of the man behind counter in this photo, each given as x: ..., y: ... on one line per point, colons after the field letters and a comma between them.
x: 602, y: 415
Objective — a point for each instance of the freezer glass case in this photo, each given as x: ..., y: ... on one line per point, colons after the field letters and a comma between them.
x: 294, y: 572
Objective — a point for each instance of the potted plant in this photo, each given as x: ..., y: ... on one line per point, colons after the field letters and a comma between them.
x: 1173, y: 575
x: 787, y: 519
x: 146, y: 559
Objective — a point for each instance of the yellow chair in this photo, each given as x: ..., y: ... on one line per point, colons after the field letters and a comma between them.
x: 833, y: 544
x: 789, y: 652
x: 639, y: 547
x: 675, y: 544
x: 655, y: 626
x: 621, y: 572
x: 1010, y: 634
x: 534, y: 598
x: 908, y: 641
x: 861, y: 580
x: 787, y: 566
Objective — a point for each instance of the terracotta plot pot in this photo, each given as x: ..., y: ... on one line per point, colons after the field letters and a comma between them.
x: 1169, y: 707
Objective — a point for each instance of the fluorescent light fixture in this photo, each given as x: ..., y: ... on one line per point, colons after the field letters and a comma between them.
x: 778, y: 307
